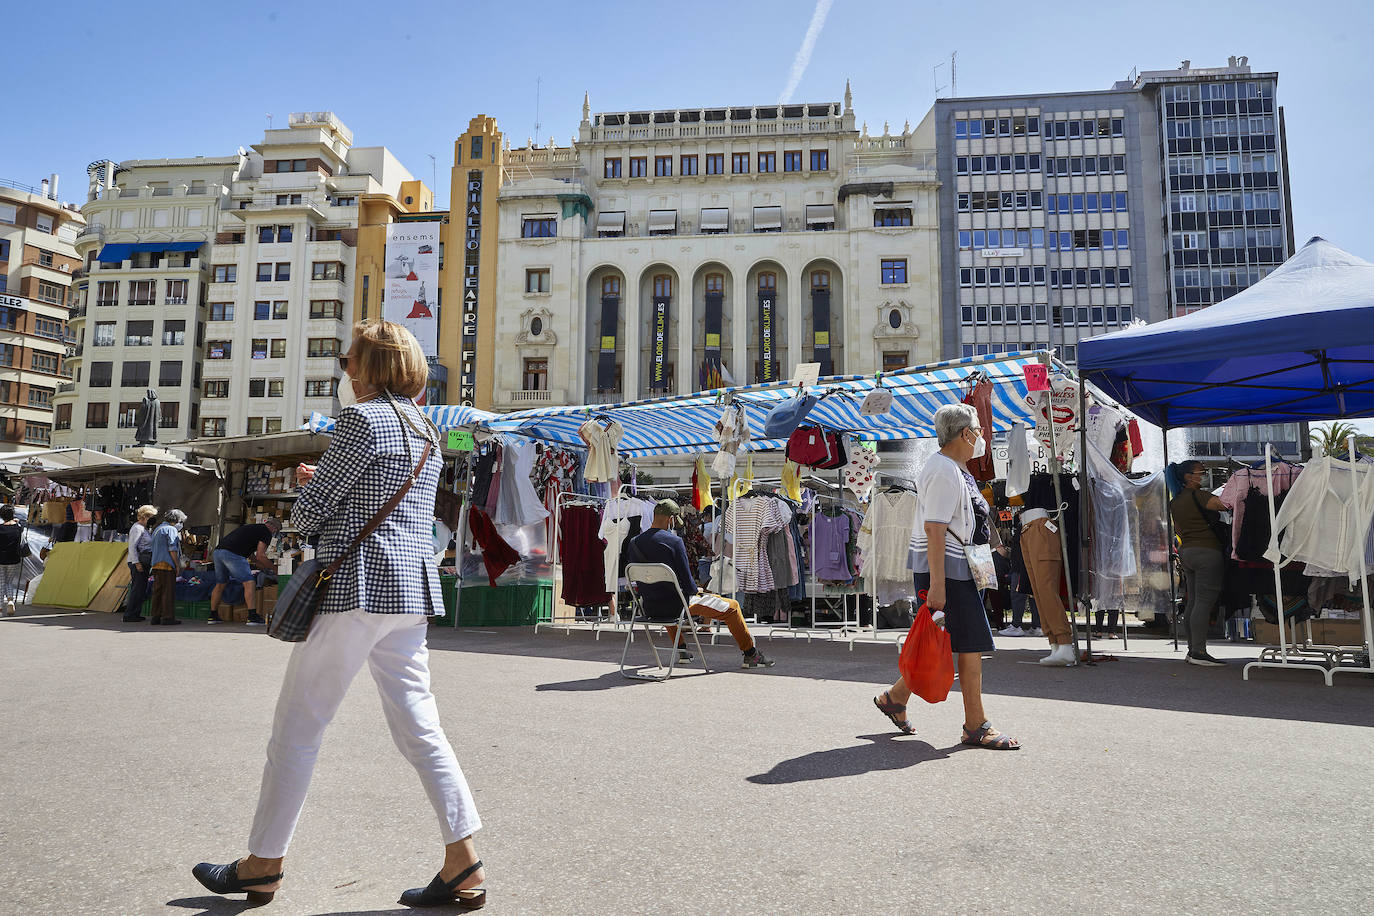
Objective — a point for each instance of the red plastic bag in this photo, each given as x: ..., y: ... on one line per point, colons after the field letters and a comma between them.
x: 926, y: 664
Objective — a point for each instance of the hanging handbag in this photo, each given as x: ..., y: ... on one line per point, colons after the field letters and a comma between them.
x: 722, y: 581
x: 300, y: 600
x: 926, y: 663
x: 786, y: 416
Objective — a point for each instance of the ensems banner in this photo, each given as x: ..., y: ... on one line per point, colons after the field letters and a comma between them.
x: 412, y: 281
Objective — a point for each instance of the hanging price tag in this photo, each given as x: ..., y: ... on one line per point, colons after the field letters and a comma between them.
x: 460, y: 440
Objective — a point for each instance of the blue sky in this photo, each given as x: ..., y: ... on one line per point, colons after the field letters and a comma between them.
x: 148, y: 80
x: 161, y: 79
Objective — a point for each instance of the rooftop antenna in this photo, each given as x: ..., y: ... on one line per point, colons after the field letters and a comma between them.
x: 537, y: 81
x: 433, y: 173
x: 953, y: 77
x: 269, y: 120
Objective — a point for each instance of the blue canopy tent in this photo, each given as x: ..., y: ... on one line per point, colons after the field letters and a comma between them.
x: 444, y: 416
x: 1298, y: 345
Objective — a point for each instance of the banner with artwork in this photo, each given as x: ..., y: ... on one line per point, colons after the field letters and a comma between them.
x: 412, y: 281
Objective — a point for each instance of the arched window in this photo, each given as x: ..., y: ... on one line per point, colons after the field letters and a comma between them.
x: 820, y: 279
x: 610, y: 285
x: 663, y: 285
x: 768, y: 281
x: 715, y: 283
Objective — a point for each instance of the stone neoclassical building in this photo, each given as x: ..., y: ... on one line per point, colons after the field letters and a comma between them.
x: 664, y: 250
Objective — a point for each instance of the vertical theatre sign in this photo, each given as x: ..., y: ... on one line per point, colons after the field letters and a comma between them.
x: 412, y: 281
x: 472, y: 259
x: 658, y: 376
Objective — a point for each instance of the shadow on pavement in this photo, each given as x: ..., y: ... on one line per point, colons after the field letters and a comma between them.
x: 613, y: 679
x: 885, y: 752
x: 211, y: 905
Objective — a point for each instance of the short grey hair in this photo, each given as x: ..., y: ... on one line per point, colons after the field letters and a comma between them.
x: 176, y: 516
x: 951, y: 420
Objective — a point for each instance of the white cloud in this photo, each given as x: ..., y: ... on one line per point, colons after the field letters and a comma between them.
x: 803, y: 58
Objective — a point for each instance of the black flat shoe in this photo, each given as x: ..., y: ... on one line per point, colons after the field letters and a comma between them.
x: 224, y: 879
x: 442, y: 893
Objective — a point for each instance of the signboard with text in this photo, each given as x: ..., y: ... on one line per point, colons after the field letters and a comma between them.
x: 412, y: 281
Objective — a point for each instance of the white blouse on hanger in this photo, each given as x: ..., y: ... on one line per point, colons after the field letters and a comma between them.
x: 1325, y: 519
x: 884, y: 539
x: 603, y: 461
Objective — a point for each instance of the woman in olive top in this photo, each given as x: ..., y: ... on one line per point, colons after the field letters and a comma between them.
x: 1196, y: 513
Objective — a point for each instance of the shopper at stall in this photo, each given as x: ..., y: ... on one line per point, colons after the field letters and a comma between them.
x: 139, y: 558
x: 231, y: 564
x: 375, y: 612
x: 660, y: 544
x: 949, y: 515
x: 166, y: 562
x: 11, y: 557
x: 1197, y: 523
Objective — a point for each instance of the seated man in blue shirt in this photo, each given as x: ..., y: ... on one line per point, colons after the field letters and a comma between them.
x: 660, y: 544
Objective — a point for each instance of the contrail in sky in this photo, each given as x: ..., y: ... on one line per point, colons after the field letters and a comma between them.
x: 803, y: 58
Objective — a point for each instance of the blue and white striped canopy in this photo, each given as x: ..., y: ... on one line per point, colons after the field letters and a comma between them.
x: 685, y: 424
x: 444, y: 416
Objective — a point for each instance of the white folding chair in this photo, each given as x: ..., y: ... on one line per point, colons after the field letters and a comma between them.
x: 655, y: 574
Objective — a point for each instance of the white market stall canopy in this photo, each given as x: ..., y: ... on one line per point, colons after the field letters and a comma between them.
x: 49, y: 459
x: 686, y: 424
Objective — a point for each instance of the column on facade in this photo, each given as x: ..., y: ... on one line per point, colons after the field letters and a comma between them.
x: 685, y: 309
x: 797, y: 303
x: 737, y: 359
x: 632, y: 352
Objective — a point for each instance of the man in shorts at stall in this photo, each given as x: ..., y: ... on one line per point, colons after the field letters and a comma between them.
x: 660, y: 544
x: 231, y: 564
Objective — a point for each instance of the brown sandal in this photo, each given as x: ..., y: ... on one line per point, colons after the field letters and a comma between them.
x: 986, y: 736
x: 892, y: 710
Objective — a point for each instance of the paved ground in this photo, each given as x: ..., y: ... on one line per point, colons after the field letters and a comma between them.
x: 1146, y: 785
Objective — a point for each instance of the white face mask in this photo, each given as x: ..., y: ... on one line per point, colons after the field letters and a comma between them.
x: 347, y: 397
x: 180, y: 525
x: 980, y: 447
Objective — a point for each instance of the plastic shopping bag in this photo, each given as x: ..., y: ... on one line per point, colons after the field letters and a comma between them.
x: 926, y: 664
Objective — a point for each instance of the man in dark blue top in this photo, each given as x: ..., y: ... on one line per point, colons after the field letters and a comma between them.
x: 660, y: 544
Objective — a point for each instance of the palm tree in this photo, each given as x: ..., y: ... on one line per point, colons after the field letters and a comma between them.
x: 1333, y: 440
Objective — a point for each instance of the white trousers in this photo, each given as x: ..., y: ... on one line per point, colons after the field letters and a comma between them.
x: 317, y: 677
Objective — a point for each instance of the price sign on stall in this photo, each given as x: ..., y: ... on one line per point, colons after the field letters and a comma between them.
x: 460, y: 440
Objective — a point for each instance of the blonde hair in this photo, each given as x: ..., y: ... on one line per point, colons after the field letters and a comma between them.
x: 146, y: 512
x: 385, y: 356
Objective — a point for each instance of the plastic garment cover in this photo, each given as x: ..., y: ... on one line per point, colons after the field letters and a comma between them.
x: 1128, y: 547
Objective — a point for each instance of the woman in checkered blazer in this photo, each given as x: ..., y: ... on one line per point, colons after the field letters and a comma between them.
x: 375, y: 612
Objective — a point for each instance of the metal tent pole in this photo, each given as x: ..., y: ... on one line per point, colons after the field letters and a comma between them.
x: 1169, y: 542
x: 1083, y: 504
x: 1058, y: 466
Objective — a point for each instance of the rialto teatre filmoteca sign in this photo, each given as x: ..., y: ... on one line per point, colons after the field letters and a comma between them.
x: 412, y: 281
x: 472, y: 260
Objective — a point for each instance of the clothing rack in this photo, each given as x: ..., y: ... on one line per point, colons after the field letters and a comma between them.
x: 814, y: 587
x: 1329, y: 660
x: 566, y: 499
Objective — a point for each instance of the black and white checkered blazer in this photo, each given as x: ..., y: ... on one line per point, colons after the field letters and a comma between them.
x: 367, y: 461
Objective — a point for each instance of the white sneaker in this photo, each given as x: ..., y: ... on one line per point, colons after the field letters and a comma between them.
x: 1035, y: 631
x: 1011, y: 631
x: 1063, y: 656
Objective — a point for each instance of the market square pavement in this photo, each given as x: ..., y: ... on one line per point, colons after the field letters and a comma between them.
x: 1146, y: 785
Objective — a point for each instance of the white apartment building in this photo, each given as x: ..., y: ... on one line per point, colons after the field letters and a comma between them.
x: 223, y: 283
x: 281, y: 282
x: 704, y: 229
x: 140, y: 309
x: 37, y: 265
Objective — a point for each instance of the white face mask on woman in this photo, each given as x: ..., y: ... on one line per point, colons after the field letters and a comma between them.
x: 980, y: 447
x: 347, y: 397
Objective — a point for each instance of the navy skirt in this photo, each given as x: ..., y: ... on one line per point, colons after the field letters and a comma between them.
x: 965, y: 619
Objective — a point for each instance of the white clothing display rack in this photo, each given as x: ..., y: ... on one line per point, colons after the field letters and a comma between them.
x: 1329, y: 660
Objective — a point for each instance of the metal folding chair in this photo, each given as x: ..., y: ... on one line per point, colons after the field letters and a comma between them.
x: 653, y: 574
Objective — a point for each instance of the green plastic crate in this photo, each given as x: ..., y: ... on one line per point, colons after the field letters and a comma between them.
x: 449, y: 586
x: 521, y: 605
x: 193, y: 610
